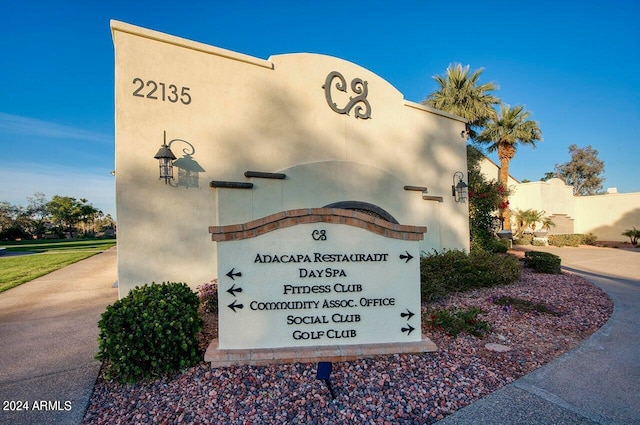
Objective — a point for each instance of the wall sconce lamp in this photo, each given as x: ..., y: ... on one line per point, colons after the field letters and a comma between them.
x: 459, y: 187
x: 165, y: 157
x: 465, y: 133
x: 188, y: 168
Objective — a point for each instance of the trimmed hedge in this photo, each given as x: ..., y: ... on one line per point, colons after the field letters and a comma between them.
x: 150, y: 332
x: 574, y: 239
x: 542, y: 262
x: 539, y: 242
x: 450, y: 271
x: 524, y: 240
x: 497, y: 246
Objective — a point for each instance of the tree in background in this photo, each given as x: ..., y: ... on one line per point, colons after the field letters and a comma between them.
x: 64, y: 212
x: 7, y: 215
x: 67, y: 212
x: 38, y: 214
x: 583, y: 172
x: 461, y: 94
x: 88, y: 215
x: 105, y: 223
x: 13, y: 223
x: 511, y: 128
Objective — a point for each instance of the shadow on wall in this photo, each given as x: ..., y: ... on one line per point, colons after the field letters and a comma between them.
x: 188, y: 171
x: 563, y: 224
x: 163, y: 235
x: 614, y: 231
x: 164, y: 231
x: 310, y: 143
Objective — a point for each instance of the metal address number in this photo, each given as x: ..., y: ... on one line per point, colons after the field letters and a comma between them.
x: 161, y: 91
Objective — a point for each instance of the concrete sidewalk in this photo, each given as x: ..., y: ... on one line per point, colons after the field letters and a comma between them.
x: 48, y: 338
x: 596, y: 383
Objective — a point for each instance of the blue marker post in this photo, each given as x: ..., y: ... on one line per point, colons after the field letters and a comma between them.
x: 324, y: 373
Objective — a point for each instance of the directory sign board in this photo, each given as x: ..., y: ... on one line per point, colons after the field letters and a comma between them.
x: 318, y: 284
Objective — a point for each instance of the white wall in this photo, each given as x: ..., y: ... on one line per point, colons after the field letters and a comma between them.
x: 605, y: 216
x: 250, y: 114
x: 553, y: 197
x: 491, y: 171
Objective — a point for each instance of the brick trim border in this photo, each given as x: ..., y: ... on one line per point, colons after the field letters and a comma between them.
x: 290, y: 218
x: 314, y: 354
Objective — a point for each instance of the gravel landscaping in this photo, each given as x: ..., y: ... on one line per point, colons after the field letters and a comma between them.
x: 393, y: 389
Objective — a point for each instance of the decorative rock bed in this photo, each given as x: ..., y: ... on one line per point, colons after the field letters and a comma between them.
x: 391, y: 389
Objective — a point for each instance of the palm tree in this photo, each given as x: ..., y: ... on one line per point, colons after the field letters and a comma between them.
x: 461, y: 94
x: 512, y: 127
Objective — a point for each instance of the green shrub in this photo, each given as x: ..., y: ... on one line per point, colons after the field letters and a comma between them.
x: 589, y: 239
x: 150, y: 332
x: 442, y: 273
x: 492, y: 269
x: 450, y: 271
x: 497, y: 246
x: 573, y: 239
x: 523, y: 240
x: 542, y: 262
x: 539, y: 242
x: 454, y: 320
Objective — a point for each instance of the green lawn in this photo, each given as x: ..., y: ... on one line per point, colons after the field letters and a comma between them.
x: 51, y: 255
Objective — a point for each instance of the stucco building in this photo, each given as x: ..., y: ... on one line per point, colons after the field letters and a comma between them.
x: 606, y: 216
x: 251, y: 137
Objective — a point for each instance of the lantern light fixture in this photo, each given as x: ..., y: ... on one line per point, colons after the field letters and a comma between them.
x: 188, y: 168
x: 165, y: 157
x: 466, y: 132
x: 459, y: 187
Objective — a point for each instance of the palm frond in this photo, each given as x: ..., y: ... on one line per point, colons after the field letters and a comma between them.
x: 459, y: 93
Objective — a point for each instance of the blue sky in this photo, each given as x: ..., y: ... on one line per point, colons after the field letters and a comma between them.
x: 574, y: 64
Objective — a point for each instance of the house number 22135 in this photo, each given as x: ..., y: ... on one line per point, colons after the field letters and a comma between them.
x: 155, y: 90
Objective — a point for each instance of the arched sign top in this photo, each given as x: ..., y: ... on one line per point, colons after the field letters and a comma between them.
x: 366, y: 208
x: 291, y: 218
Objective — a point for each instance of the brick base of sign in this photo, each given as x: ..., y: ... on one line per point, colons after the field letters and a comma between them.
x: 320, y: 353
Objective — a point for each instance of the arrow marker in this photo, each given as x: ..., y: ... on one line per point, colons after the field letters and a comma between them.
x: 407, y: 257
x: 408, y: 314
x: 233, y: 290
x: 231, y: 274
x: 409, y: 329
x: 233, y: 306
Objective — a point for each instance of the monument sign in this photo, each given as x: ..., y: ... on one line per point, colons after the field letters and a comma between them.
x: 314, y: 176
x: 320, y: 283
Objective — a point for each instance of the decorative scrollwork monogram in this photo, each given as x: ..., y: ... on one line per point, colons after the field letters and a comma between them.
x: 359, y: 103
x: 319, y: 235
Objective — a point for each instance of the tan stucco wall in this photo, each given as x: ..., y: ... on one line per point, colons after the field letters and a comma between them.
x: 491, y: 171
x: 249, y: 114
x: 607, y: 216
x: 553, y: 197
